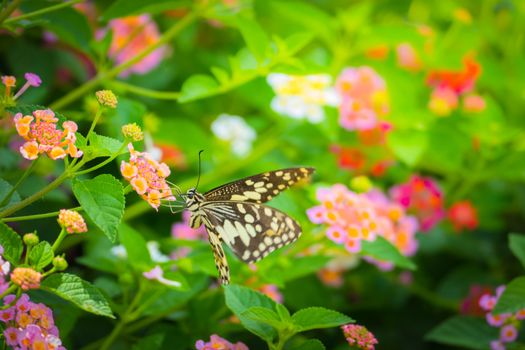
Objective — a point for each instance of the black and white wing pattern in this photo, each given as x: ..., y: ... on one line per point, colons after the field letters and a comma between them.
x: 251, y: 230
x: 259, y: 188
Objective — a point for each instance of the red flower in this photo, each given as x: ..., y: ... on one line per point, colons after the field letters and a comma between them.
x: 470, y: 305
x: 349, y: 158
x: 463, y: 215
x: 459, y: 81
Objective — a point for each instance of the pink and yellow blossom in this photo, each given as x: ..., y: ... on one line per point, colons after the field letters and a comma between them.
x: 72, y: 221
x: 359, y: 337
x: 217, y: 343
x: 26, y: 278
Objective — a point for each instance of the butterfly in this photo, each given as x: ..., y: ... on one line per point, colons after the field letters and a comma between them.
x: 234, y: 214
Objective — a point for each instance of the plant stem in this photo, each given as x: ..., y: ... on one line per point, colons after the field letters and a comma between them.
x: 115, y: 71
x: 60, y: 238
x: 100, y: 165
x: 37, y: 216
x: 9, y: 290
x: 33, y: 198
x: 9, y: 10
x: 137, y: 90
x: 95, y: 121
x: 18, y: 183
x: 42, y: 11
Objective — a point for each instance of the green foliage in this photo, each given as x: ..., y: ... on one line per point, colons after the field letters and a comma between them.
x: 41, y: 255
x: 513, y: 298
x: 318, y: 317
x: 468, y: 332
x: 103, y: 200
x: 136, y: 248
x: 517, y: 246
x: 12, y: 244
x: 5, y: 189
x: 383, y: 250
x: 81, y: 293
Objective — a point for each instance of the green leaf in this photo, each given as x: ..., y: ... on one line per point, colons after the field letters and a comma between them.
x: 239, y: 299
x: 136, y: 248
x: 408, y: 145
x: 318, y: 317
x: 254, y: 36
x: 197, y: 86
x: 513, y: 298
x: 41, y: 255
x: 283, y: 313
x: 104, y: 146
x: 465, y: 331
x: 70, y: 26
x: 5, y: 187
x: 12, y: 244
x: 81, y: 293
x: 310, y: 344
x: 381, y: 249
x: 264, y: 315
x: 121, y: 8
x: 517, y: 246
x: 102, y: 198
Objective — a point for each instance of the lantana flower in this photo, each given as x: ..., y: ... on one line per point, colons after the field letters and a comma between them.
x: 147, y: 177
x: 508, y: 323
x: 364, y: 98
x: 302, y: 97
x: 131, y: 36
x: 234, y: 130
x: 463, y: 215
x: 72, y: 221
x: 359, y: 337
x: 423, y: 197
x: 43, y: 136
x: 157, y: 274
x: 26, y: 278
x: 29, y: 325
x: 5, y: 267
x: 217, y: 342
x: 407, y: 57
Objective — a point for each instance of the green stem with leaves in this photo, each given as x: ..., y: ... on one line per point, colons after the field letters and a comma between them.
x: 137, y: 90
x: 114, y: 72
x: 37, y: 216
x: 60, y: 238
x: 9, y: 10
x: 42, y: 11
x: 101, y: 164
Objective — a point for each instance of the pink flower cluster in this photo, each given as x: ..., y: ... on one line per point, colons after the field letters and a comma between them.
x: 42, y: 135
x: 423, y: 197
x: 354, y: 217
x: 364, y: 99
x: 217, y: 342
x: 29, y: 325
x: 131, y: 36
x: 271, y: 291
x: 507, y: 322
x: 4, y: 271
x: 359, y: 336
x: 147, y: 177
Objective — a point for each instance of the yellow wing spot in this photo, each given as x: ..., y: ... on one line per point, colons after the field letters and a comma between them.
x: 238, y: 197
x: 270, y: 232
x: 279, y: 173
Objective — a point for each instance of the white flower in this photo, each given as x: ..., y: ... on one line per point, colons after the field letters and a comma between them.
x: 302, y: 97
x: 119, y: 251
x: 155, y: 253
x: 236, y: 131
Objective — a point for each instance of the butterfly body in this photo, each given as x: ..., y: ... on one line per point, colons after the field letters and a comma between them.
x: 233, y: 213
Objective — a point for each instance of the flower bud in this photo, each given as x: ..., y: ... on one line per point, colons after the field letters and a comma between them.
x: 30, y: 239
x: 60, y: 263
x: 26, y: 278
x: 361, y: 184
x: 132, y: 132
x: 107, y: 98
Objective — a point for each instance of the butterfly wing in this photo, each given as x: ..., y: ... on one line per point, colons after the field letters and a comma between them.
x: 259, y: 188
x: 251, y: 230
x: 218, y: 253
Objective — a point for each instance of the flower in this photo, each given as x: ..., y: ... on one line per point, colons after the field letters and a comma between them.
x: 359, y: 336
x: 364, y: 99
x: 302, y: 97
x: 147, y: 177
x: 157, y: 274
x: 217, y: 342
x: 31, y: 326
x: 331, y: 277
x: 9, y: 81
x: 5, y: 266
x: 133, y: 132
x: 460, y: 81
x: 350, y: 158
x: 42, y: 136
x: 72, y: 221
x: 107, y: 98
x: 26, y: 278
x: 131, y: 36
x: 443, y: 101
x: 423, y: 197
x: 271, y: 291
x: 353, y: 217
x: 463, y: 215
x: 471, y: 305
x: 182, y: 230
x: 474, y: 103
x: 407, y: 57
x: 234, y: 130
x: 155, y: 253
x: 507, y: 322
x: 31, y: 80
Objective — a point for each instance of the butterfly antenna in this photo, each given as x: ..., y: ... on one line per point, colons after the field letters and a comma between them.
x: 199, y: 177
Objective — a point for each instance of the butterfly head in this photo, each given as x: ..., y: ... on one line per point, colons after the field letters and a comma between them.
x: 193, y: 197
